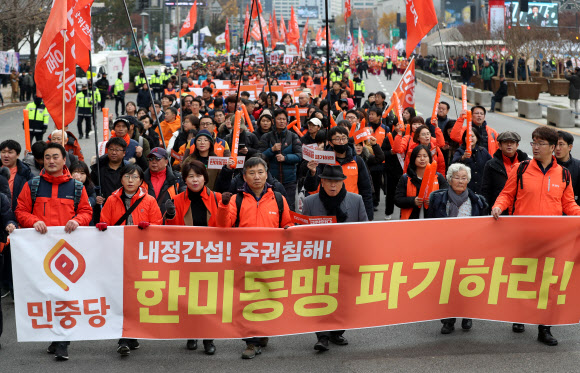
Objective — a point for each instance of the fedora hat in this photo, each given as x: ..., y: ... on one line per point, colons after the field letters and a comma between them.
x: 332, y: 172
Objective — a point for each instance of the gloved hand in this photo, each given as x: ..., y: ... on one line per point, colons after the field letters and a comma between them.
x: 169, y: 209
x: 226, y: 198
x: 101, y: 226
x: 143, y: 224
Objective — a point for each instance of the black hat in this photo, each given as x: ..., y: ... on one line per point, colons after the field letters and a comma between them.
x: 332, y: 172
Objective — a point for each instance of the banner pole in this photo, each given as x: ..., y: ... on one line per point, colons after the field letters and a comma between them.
x: 94, y: 115
x: 63, y: 88
x: 147, y: 80
x: 264, y: 53
x: 327, y: 50
x: 448, y: 72
x: 179, y: 62
x: 244, y: 58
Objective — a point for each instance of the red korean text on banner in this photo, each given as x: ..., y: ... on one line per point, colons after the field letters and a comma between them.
x: 468, y: 143
x: 227, y: 36
x: 406, y: 85
x: 305, y: 220
x: 55, y: 73
x: 421, y: 18
x: 190, y: 21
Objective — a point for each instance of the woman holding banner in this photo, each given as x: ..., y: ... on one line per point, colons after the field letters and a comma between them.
x: 121, y: 209
x: 458, y: 201
x: 197, y: 206
x: 411, y: 190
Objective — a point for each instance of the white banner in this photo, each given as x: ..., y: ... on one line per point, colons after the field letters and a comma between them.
x: 311, y: 153
x: 65, y: 289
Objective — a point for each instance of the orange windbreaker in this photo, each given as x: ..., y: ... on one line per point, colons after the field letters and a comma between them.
x: 182, y: 205
x: 148, y: 210
x: 406, y: 142
x: 457, y: 135
x: 253, y: 213
x: 54, y: 203
x: 169, y: 127
x: 542, y: 194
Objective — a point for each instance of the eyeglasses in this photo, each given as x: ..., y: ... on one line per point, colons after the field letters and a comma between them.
x: 131, y: 177
x: 340, y: 139
x: 156, y: 159
x: 537, y: 145
x: 115, y: 150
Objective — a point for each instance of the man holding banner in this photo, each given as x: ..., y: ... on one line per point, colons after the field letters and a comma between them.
x: 50, y: 200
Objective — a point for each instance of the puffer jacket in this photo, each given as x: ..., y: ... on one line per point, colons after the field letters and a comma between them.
x: 54, y: 203
x: 147, y: 210
x: 255, y: 212
x: 438, y: 204
x: 284, y: 171
x: 495, y: 175
x: 405, y: 198
x: 477, y: 161
x: 182, y: 205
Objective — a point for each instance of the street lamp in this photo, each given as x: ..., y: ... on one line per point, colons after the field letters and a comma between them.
x: 143, y: 15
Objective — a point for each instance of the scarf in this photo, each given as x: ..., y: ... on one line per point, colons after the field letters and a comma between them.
x: 455, y: 201
x: 197, y: 208
x: 332, y: 204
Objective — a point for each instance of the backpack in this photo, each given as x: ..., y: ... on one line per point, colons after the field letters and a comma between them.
x: 279, y: 202
x: 35, y: 183
x: 520, y: 181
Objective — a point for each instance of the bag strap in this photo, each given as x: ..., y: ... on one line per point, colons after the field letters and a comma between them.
x: 239, y: 199
x: 280, y: 203
x: 78, y: 194
x: 34, y: 184
x: 129, y: 211
x: 519, y: 181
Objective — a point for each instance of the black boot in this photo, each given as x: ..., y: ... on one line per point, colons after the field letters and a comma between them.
x: 545, y: 336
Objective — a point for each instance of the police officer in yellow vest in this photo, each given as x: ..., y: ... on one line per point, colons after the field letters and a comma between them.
x: 85, y: 112
x: 140, y: 80
x: 164, y: 78
x: 38, y: 119
x: 359, y: 89
x: 156, y: 86
x: 335, y: 76
x: 389, y: 69
x: 119, y: 93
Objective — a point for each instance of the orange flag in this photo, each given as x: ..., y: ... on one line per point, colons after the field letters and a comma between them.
x: 190, y: 21
x: 283, y: 31
x: 347, y: 10
x: 55, y: 65
x: 274, y: 29
x: 247, y: 24
x: 421, y: 18
x: 305, y: 34
x: 293, y: 30
x: 82, y: 25
x: 319, y: 37
x: 406, y: 86
x: 257, y: 9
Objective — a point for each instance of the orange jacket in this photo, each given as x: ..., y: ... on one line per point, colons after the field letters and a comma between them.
x: 541, y: 195
x: 182, y: 205
x: 54, y: 203
x: 169, y: 127
x: 406, y: 142
x: 148, y: 210
x: 253, y: 214
x: 457, y: 135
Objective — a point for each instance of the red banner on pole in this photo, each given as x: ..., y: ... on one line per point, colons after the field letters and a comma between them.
x: 190, y: 21
x: 421, y: 18
x: 406, y: 85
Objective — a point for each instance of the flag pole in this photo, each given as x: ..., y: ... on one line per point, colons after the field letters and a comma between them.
x: 143, y: 68
x: 448, y: 72
x: 180, y: 93
x: 264, y: 53
x: 94, y: 115
x: 63, y: 88
x: 327, y: 50
x: 244, y: 58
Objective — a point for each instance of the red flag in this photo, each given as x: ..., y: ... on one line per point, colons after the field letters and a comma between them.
x: 257, y: 9
x: 256, y: 31
x: 407, y: 85
x: 272, y: 36
x: 246, y: 25
x: 227, y: 36
x: 55, y: 65
x: 283, y: 30
x: 293, y: 30
x: 81, y: 17
x: 421, y: 18
x: 305, y: 34
x: 347, y: 10
x: 274, y: 29
x: 319, y: 37
x: 327, y: 37
x: 190, y: 21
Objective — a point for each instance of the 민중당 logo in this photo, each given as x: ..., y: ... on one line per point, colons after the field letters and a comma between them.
x: 64, y: 263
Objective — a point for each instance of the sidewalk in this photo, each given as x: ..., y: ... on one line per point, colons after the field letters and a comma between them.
x: 7, y: 95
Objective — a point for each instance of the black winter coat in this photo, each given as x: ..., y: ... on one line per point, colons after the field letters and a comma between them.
x: 172, y: 178
x: 23, y: 174
x: 495, y: 176
x: 477, y: 161
x: 438, y: 204
x: 403, y: 201
x: 249, y: 139
x: 573, y: 165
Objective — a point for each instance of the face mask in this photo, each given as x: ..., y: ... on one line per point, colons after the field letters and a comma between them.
x: 340, y: 149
